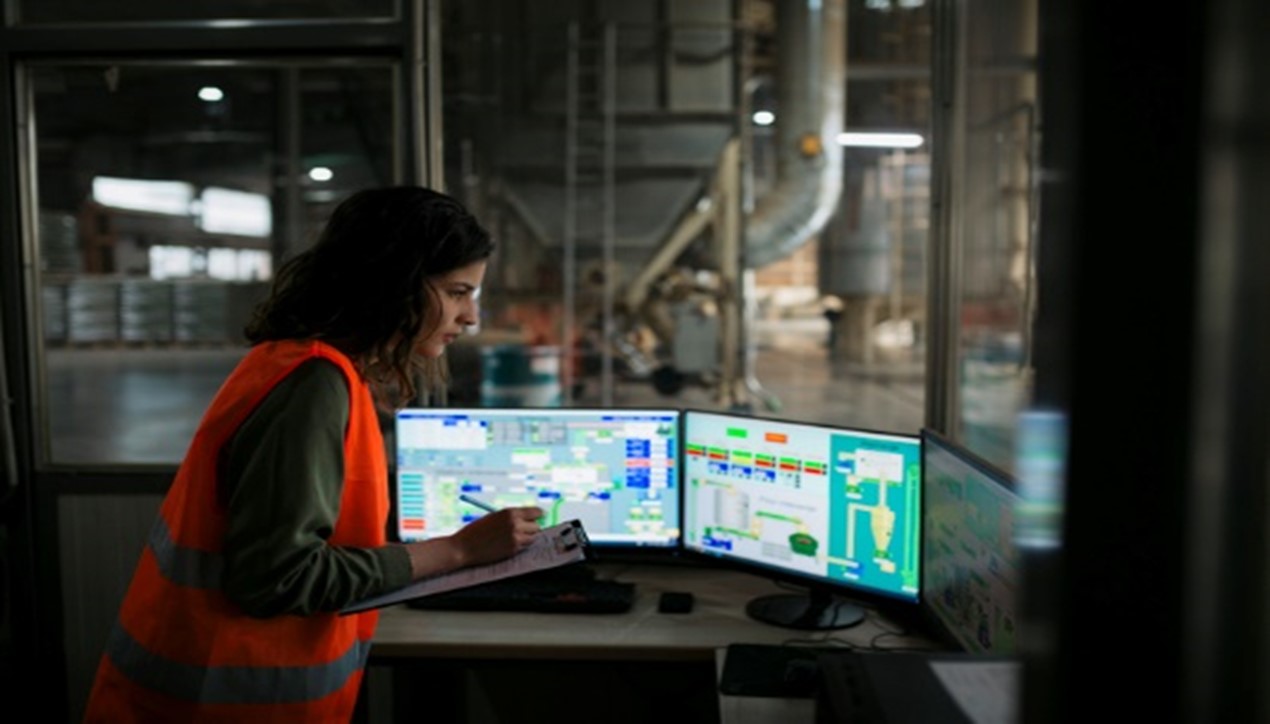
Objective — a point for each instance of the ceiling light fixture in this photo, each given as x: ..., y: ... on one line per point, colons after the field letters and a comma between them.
x: 157, y: 197
x: 321, y: 173
x: 881, y: 140
x: 763, y: 118
x: 211, y: 94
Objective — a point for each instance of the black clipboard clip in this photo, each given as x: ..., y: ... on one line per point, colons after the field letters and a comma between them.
x: 572, y: 538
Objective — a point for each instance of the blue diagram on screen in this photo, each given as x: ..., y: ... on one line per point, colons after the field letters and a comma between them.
x: 615, y: 470
x: 875, y: 509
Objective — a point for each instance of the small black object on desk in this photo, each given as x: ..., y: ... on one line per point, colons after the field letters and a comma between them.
x: 675, y: 602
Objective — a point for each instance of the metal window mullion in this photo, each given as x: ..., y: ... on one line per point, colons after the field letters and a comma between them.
x: 944, y: 267
x: 609, y: 80
x: 288, y: 242
x: 434, y: 131
x: 570, y: 230
x: 30, y: 335
x: 421, y: 94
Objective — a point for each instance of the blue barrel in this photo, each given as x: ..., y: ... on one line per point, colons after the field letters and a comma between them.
x: 516, y: 375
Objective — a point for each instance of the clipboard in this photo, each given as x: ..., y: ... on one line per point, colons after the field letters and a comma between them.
x: 558, y: 545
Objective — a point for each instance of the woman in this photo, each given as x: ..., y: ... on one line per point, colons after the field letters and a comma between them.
x: 277, y: 517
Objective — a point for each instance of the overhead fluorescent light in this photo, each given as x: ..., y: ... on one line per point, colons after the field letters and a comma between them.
x: 885, y: 5
x: 321, y: 173
x: 763, y: 118
x: 880, y: 140
x: 156, y: 197
x: 211, y: 94
x: 226, y: 211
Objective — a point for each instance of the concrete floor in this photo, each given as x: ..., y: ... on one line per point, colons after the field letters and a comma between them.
x: 112, y: 406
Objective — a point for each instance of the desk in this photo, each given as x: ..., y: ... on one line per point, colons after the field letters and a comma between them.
x: 637, y: 666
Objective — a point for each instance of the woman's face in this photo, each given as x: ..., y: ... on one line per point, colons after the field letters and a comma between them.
x: 458, y: 291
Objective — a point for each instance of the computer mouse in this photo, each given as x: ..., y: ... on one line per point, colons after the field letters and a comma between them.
x: 675, y: 602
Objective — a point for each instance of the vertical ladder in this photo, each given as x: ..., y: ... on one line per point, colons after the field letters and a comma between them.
x: 590, y: 158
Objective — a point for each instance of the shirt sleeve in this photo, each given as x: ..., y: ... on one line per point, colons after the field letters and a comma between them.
x: 282, y: 477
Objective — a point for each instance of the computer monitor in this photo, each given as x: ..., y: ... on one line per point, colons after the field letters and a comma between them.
x: 835, y: 509
x: 970, y: 569
x: 616, y: 470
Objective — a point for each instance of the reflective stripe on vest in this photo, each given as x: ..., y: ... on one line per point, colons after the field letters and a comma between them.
x: 221, y: 684
x: 233, y: 684
x: 180, y: 650
x: 184, y: 566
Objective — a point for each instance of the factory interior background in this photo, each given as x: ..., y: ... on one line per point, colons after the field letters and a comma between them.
x: 832, y: 211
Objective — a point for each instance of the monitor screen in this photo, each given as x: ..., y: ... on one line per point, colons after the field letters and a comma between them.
x: 836, y: 508
x: 970, y: 571
x: 615, y: 470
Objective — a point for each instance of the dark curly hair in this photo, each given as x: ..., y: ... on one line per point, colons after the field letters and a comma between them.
x: 364, y: 286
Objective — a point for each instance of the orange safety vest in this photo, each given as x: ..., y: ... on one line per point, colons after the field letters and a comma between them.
x: 183, y: 652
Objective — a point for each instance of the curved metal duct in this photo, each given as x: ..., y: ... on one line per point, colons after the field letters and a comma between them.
x: 811, y: 102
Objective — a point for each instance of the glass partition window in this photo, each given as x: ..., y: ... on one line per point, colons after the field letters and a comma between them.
x: 96, y: 11
x: 998, y: 227
x: 597, y: 142
x: 166, y: 195
x: 582, y: 135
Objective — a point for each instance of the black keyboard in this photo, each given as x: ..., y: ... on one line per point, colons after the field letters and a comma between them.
x: 526, y: 593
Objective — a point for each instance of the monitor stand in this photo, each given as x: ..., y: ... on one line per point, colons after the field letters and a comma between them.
x: 813, y: 611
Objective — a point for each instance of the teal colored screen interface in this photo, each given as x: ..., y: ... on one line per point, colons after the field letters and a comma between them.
x: 971, y: 563
x: 828, y: 504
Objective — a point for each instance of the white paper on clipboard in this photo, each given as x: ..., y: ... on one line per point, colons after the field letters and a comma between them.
x: 555, y: 546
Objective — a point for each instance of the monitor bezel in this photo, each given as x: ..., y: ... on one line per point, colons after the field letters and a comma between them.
x: 931, y: 620
x: 610, y: 550
x: 867, y: 596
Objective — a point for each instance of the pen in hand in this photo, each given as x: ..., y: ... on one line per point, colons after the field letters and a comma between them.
x: 486, y: 506
x: 478, y: 503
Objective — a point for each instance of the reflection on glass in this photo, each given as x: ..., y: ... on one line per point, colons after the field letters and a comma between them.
x: 1042, y: 466
x: 539, y: 133
x: 161, y: 219
x: 998, y: 185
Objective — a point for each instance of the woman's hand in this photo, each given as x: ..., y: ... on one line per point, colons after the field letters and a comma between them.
x: 497, y: 535
x: 487, y: 539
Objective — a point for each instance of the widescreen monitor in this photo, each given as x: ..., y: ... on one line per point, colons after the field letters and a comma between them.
x: 616, y: 470
x: 970, y: 567
x: 835, y: 509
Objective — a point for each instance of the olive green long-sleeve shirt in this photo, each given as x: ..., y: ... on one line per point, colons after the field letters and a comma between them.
x: 282, y: 476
